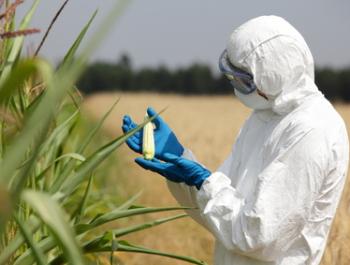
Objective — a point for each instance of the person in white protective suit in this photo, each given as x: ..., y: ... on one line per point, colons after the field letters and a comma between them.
x: 273, y: 200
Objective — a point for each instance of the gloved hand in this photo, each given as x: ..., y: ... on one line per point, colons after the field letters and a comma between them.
x: 177, y: 169
x: 165, y: 139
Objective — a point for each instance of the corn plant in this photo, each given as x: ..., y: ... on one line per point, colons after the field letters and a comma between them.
x: 51, y: 210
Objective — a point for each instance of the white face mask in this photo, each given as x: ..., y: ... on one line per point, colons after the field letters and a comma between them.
x: 254, y: 100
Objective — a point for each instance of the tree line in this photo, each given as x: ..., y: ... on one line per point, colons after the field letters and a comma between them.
x: 194, y: 79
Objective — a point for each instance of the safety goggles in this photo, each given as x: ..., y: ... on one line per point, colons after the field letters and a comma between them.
x: 240, y: 80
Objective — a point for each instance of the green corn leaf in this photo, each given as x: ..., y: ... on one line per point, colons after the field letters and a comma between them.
x: 70, y: 166
x: 16, y: 152
x: 102, y: 240
x: 97, y: 127
x: 37, y: 253
x: 5, y: 206
x: 79, y: 65
x: 117, y: 214
x: 34, y: 224
x: 27, y: 257
x: 73, y: 49
x: 105, y: 245
x: 33, y: 105
x: 74, y: 156
x: 63, y: 79
x: 61, y: 129
x: 48, y: 243
x: 2, y: 139
x: 81, y: 209
x: 98, y: 243
x: 20, y: 73
x: 82, y: 172
x: 126, y: 246
x: 15, y: 156
x: 45, y: 245
x: 132, y: 229
x: 114, y: 247
x: 75, y: 96
x: 52, y: 215
x: 104, y: 28
x: 125, y: 205
x: 16, y: 47
x: 129, y: 202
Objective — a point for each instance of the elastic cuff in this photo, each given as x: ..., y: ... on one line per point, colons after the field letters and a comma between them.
x: 215, y: 183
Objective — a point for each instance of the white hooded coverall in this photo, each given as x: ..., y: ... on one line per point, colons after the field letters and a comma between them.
x: 274, y: 198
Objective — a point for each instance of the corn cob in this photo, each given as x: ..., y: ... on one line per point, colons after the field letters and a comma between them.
x: 148, y: 145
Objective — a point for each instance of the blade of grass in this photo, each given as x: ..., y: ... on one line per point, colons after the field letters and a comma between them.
x: 16, y: 152
x: 18, y: 241
x: 132, y: 229
x: 100, y: 34
x: 127, y: 247
x: 19, y: 75
x: 33, y: 105
x: 58, y: 130
x: 97, y: 127
x: 37, y: 253
x: 114, y: 247
x: 56, y: 92
x: 74, y: 156
x: 50, y: 26
x: 26, y: 257
x: 125, y: 205
x: 2, y: 139
x: 75, y: 96
x: 73, y: 49
x: 70, y: 184
x: 81, y: 209
x: 14, y: 156
x: 129, y: 202
x: 64, y: 78
x: 52, y: 215
x: 5, y: 205
x: 16, y: 46
x: 80, y: 64
x: 70, y: 166
x: 117, y: 214
x: 105, y: 245
x: 48, y: 243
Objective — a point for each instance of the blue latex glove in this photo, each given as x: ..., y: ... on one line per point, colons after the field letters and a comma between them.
x: 177, y: 169
x: 165, y: 139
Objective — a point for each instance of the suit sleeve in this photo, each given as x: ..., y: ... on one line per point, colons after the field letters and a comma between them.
x: 187, y: 195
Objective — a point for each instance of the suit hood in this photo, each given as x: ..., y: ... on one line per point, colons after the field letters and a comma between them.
x: 277, y: 56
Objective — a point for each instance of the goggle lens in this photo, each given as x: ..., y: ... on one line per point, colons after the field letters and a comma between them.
x: 229, y: 77
x: 241, y: 80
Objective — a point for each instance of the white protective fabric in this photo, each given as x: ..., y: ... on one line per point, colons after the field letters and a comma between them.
x: 254, y: 100
x: 274, y: 198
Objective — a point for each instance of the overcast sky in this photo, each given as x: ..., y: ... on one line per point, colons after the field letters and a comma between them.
x: 179, y: 32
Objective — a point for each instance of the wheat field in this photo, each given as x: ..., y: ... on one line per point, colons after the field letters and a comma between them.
x: 208, y: 125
